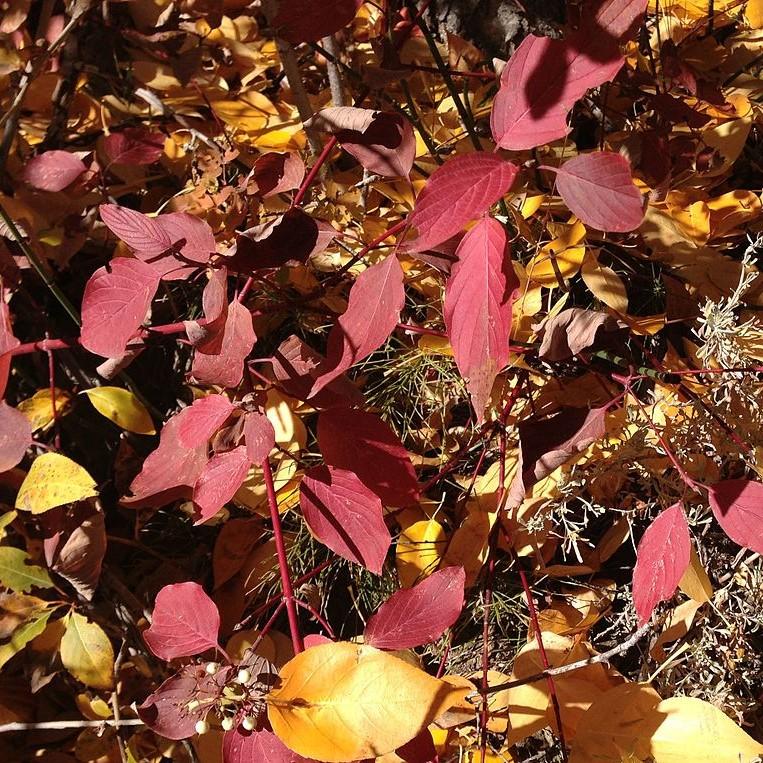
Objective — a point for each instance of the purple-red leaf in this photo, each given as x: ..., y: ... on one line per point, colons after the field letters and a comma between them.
x: 53, y: 170
x: 259, y: 435
x: 373, y: 310
x: 276, y: 173
x: 263, y: 746
x: 599, y: 189
x: 115, y: 304
x: 203, y: 419
x: 662, y: 558
x: 343, y: 514
x: 418, y: 615
x: 362, y: 443
x: 478, y: 308
x: 15, y: 436
x: 185, y: 622
x: 198, y: 242
x: 219, y: 480
x: 133, y: 145
x: 143, y: 234
x: 309, y: 20
x: 463, y: 189
x: 738, y: 507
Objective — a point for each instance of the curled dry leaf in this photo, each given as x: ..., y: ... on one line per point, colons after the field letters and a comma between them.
x: 571, y: 331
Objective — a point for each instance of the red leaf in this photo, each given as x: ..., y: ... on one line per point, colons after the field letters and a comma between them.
x: 541, y: 83
x: 15, y: 436
x: 478, y: 308
x: 259, y: 435
x: 263, y: 746
x: 133, y: 145
x: 420, y: 749
x: 309, y: 20
x: 53, y: 170
x: 738, y: 507
x: 276, y: 173
x: 143, y: 234
x: 226, y: 367
x: 115, y: 304
x: 185, y: 622
x: 219, y: 481
x: 418, y: 615
x: 362, y: 443
x: 463, y: 189
x: 599, y: 189
x: 373, y: 310
x: 616, y: 17
x: 198, y: 240
x: 662, y: 558
x: 343, y: 514
x: 203, y: 419
x: 214, y: 302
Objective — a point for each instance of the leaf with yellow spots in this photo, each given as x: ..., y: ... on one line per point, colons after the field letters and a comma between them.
x: 54, y: 480
x: 86, y: 652
x: 39, y: 408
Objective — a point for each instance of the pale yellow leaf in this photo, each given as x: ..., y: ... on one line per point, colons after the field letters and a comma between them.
x: 39, y: 408
x: 54, y: 480
x: 122, y: 407
x: 86, y: 652
x: 695, y: 583
x: 604, y: 283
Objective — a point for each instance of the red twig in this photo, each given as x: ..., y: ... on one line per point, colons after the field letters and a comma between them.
x: 314, y: 170
x: 317, y: 617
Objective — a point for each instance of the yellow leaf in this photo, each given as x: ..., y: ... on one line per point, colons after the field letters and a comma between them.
x: 604, y: 283
x: 695, y: 583
x: 753, y: 12
x: 731, y: 210
x: 344, y: 702
x: 562, y: 254
x: 39, y: 408
x: 419, y: 547
x: 122, y: 407
x: 86, y: 652
x: 54, y: 480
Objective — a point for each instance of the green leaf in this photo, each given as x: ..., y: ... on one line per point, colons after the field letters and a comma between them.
x: 19, y: 576
x: 24, y: 634
x: 86, y: 652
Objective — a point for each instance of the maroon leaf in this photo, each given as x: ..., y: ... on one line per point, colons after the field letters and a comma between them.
x: 219, y: 480
x: 203, y: 419
x: 15, y: 436
x: 309, y: 20
x: 343, y: 514
x: 662, y: 558
x: 276, y: 173
x: 420, y: 749
x: 226, y: 367
x: 241, y: 746
x: 259, y: 435
x: 141, y: 233
x: 8, y: 342
x: 115, y: 304
x: 418, y: 615
x: 133, y: 145
x: 53, y: 170
x: 373, y: 310
x: 738, y: 507
x: 598, y: 188
x: 478, y: 308
x: 173, y: 710
x: 362, y: 443
x: 463, y: 189
x: 185, y: 622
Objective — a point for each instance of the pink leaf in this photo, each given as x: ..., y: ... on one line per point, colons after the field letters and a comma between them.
x: 541, y: 83
x: 276, y: 173
x: 203, y: 419
x: 15, y: 436
x: 198, y: 241
x: 309, y: 20
x: 463, y: 189
x: 616, y: 17
x: 362, y: 443
x: 263, y: 746
x: 219, y: 481
x: 373, y: 310
x: 738, y: 507
x: 185, y: 622
x: 53, y: 170
x: 343, y: 514
x: 598, y: 188
x: 143, y: 234
x: 214, y: 302
x: 115, y: 304
x: 315, y: 639
x: 418, y: 615
x: 226, y: 367
x: 133, y: 145
x: 662, y: 558
x: 259, y: 435
x: 478, y: 308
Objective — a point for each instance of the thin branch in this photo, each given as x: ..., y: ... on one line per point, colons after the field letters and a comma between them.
x: 57, y: 725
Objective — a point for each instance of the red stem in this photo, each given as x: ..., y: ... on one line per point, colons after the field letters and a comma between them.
x: 313, y: 172
x: 317, y: 617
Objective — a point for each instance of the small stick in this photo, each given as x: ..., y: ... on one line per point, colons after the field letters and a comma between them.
x: 54, y: 725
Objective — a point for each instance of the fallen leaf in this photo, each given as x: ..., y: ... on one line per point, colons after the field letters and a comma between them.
x: 53, y: 170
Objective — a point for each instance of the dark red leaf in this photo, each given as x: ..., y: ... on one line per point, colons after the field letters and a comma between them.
x: 276, y: 173
x: 219, y: 480
x: 362, y: 443
x: 478, y: 308
x: 259, y: 435
x: 463, y: 189
x: 343, y: 514
x: 599, y: 189
x: 15, y: 436
x: 309, y: 20
x: 185, y: 622
x: 415, y: 616
x: 133, y: 145
x: 420, y: 749
x: 214, y: 302
x: 115, y: 304
x: 53, y: 170
x: 263, y: 746
x: 738, y: 507
x: 373, y: 310
x: 203, y: 419
x: 662, y: 558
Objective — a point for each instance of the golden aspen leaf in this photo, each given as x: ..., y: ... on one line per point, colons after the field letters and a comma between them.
x: 19, y: 576
x: 563, y: 251
x: 753, y: 12
x: 604, y: 283
x: 54, y: 480
x: 695, y: 583
x: 693, y: 219
x: 341, y: 702
x: 420, y: 546
x: 39, y: 408
x: 122, y: 407
x: 468, y: 546
x: 86, y: 652
x: 731, y: 210
x: 531, y: 205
